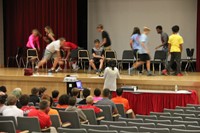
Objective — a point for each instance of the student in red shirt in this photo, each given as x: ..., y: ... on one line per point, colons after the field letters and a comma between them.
x: 24, y: 100
x: 89, y: 101
x: 42, y: 114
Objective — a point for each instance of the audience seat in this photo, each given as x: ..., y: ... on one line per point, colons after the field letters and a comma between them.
x: 70, y: 130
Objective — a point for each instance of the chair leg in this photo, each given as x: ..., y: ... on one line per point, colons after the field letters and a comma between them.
x: 160, y: 68
x: 17, y: 62
x: 153, y: 68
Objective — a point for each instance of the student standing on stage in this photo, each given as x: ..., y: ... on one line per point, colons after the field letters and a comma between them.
x: 49, y: 35
x: 52, y: 51
x: 164, y: 40
x: 135, y: 44
x: 98, y: 56
x: 106, y: 42
x: 143, y: 52
x: 33, y: 40
x: 175, y: 48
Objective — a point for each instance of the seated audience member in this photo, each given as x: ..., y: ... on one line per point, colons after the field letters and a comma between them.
x: 11, y: 109
x: 42, y: 114
x: 3, y: 89
x: 72, y: 107
x: 24, y: 100
x: 17, y: 92
x: 98, y: 56
x: 75, y: 92
x: 34, y: 96
x: 86, y: 93
x: 3, y: 97
x: 42, y: 91
x: 97, y: 95
x: 55, y: 94
x: 89, y: 101
x: 107, y: 101
x: 63, y: 101
x: 120, y: 100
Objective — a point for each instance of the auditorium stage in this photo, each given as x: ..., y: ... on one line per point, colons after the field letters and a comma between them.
x: 13, y: 77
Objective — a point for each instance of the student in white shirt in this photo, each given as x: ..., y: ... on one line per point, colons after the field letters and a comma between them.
x: 111, y: 74
x: 52, y: 51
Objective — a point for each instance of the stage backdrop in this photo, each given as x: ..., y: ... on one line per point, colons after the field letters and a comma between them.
x: 1, y: 35
x: 21, y: 16
x: 120, y: 16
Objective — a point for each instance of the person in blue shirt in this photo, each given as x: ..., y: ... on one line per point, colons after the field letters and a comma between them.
x: 135, y: 44
x: 144, y: 56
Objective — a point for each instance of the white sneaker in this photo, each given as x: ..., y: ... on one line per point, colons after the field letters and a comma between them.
x: 59, y: 69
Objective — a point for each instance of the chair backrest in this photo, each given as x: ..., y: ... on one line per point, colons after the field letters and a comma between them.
x: 196, y: 112
x: 70, y: 130
x: 193, y: 105
x: 96, y: 127
x: 172, y: 111
x: 116, y: 123
x: 138, y: 120
x: 55, y: 121
x: 107, y: 112
x: 157, y: 121
x: 138, y: 125
x: 70, y: 116
x: 101, y: 131
x: 32, y: 53
x: 174, y: 130
x: 83, y: 54
x: 124, y: 128
x: 160, y: 55
x: 189, y: 52
x: 20, y: 52
x: 90, y: 114
x: 171, y: 118
x: 160, y: 125
x: 110, y: 54
x: 132, y: 132
x: 28, y: 123
x: 154, y: 130
x: 193, y: 119
x: 158, y: 114
x: 184, y: 115
x: 192, y: 127
x: 186, y: 123
x: 128, y: 55
x: 154, y: 117
x: 121, y: 111
x: 7, y: 126
x: 9, y: 118
x: 185, y: 108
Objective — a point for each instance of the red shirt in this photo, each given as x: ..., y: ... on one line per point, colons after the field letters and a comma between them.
x: 27, y: 109
x: 43, y: 118
x: 69, y: 45
x: 96, y: 109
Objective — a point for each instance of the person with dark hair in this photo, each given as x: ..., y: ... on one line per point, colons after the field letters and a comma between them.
x: 164, y: 41
x: 135, y: 44
x: 86, y: 93
x: 143, y: 53
x: 24, y: 100
x: 72, y: 107
x: 3, y: 97
x: 55, y: 94
x: 97, y: 95
x: 11, y: 109
x: 42, y: 91
x: 106, y: 42
x: 42, y: 114
x: 175, y: 50
x: 34, y: 97
x: 98, y: 57
x: 75, y: 93
x: 120, y: 100
x: 63, y: 101
x: 3, y: 89
x: 107, y: 101
x: 111, y: 74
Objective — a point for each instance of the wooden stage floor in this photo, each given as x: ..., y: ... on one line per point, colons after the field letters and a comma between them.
x: 13, y: 77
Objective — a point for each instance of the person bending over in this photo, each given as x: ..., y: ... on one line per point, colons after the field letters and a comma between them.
x: 33, y: 40
x: 52, y: 51
x: 98, y: 56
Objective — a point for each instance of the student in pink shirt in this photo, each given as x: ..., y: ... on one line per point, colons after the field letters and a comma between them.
x: 33, y: 40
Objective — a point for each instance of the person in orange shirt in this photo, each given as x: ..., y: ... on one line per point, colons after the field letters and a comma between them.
x: 120, y: 100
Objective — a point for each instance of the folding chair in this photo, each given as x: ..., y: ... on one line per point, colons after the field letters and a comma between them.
x: 170, y: 126
x: 154, y: 130
x: 146, y: 117
x: 9, y: 118
x: 96, y: 127
x: 138, y: 125
x: 123, y: 128
x: 110, y: 55
x: 83, y: 57
x: 172, y: 111
x: 69, y: 130
x: 157, y: 121
x: 190, y: 53
x: 7, y: 126
x: 138, y: 120
x: 32, y: 56
x: 91, y: 116
x: 174, y: 130
x: 159, y: 57
x: 115, y: 123
x: 101, y: 131
x: 158, y: 114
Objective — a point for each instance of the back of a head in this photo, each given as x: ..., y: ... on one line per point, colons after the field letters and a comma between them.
x: 3, y: 89
x: 44, y: 104
x: 72, y: 101
x: 146, y: 29
x: 3, y: 98
x: 159, y: 27
x: 75, y: 92
x: 24, y: 100
x: 106, y: 92
x: 63, y: 99
x: 97, y: 92
x: 119, y: 91
x: 175, y: 29
x: 48, y: 98
x: 55, y: 93
x: 100, y: 26
x: 42, y: 90
x: 17, y: 92
x: 112, y: 64
x: 86, y: 92
x: 89, y: 100
x: 11, y: 100
x: 34, y: 91
x: 62, y: 39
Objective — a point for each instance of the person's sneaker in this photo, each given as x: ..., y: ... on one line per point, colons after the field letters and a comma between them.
x: 58, y: 69
x: 179, y: 74
x: 97, y: 72
x: 76, y: 68
x: 35, y: 69
x: 130, y: 70
x: 164, y: 72
x: 51, y: 71
x: 149, y: 74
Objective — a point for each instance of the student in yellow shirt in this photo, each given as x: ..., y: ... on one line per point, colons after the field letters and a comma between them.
x: 175, y: 49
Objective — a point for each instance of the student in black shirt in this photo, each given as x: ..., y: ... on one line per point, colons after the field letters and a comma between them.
x: 86, y: 93
x: 106, y: 42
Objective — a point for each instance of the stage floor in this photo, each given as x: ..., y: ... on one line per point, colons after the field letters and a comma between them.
x: 13, y: 77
